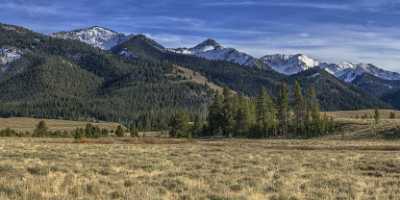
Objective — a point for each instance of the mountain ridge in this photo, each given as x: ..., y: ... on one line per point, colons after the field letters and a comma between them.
x: 210, y: 49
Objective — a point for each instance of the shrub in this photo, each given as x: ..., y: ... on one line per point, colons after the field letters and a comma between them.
x: 119, y: 132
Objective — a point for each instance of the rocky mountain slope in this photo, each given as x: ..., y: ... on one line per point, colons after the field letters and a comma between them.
x: 96, y: 36
x: 212, y: 50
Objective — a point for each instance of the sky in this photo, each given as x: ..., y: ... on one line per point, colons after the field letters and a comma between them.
x: 328, y: 30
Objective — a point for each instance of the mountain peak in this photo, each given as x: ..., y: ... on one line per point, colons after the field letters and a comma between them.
x: 290, y: 64
x: 98, y: 28
x: 207, y: 45
x: 96, y: 36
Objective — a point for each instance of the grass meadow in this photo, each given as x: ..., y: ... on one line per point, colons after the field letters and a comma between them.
x: 356, y: 163
x: 153, y: 168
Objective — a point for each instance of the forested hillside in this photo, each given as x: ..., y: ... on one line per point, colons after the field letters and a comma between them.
x: 334, y: 94
x: 58, y: 78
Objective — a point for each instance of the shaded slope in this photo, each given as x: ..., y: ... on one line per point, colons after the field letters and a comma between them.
x: 335, y: 94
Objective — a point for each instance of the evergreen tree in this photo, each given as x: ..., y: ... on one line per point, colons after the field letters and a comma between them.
x: 89, y: 130
x: 41, y: 129
x: 215, y: 117
x: 265, y: 114
x: 133, y: 131
x: 314, y: 110
x: 197, y: 126
x: 392, y: 115
x: 119, y: 132
x: 78, y: 134
x: 104, y: 132
x: 179, y: 125
x: 299, y: 109
x: 377, y: 116
x: 228, y: 113
x: 283, y: 110
x: 242, y: 118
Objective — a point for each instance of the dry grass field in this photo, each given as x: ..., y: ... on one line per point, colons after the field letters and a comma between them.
x: 180, y: 169
x: 23, y: 124
x: 353, y: 127
x: 356, y: 163
x: 385, y: 114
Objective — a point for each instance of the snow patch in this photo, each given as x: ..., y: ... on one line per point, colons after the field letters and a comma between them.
x: 290, y: 64
x: 95, y: 36
x: 211, y: 50
x: 348, y: 72
x: 9, y: 55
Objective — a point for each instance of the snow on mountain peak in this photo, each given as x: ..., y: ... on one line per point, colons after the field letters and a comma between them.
x: 212, y: 50
x: 96, y: 36
x: 293, y: 64
x: 290, y: 64
x: 207, y: 45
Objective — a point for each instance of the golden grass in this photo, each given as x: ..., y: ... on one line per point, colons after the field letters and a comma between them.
x: 384, y: 113
x: 180, y: 169
x: 23, y: 124
x: 196, y: 77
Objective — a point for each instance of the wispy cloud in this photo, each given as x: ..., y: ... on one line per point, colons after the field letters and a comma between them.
x: 280, y: 4
x: 330, y: 30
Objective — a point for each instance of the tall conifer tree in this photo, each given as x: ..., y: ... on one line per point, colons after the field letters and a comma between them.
x: 228, y: 113
x: 283, y: 110
x: 299, y: 109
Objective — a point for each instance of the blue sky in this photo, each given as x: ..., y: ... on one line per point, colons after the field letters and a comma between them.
x: 329, y: 30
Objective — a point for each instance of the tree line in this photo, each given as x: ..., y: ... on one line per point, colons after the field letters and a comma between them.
x: 90, y: 131
x: 232, y: 115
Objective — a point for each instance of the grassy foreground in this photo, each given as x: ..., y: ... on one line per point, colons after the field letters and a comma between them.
x: 129, y: 168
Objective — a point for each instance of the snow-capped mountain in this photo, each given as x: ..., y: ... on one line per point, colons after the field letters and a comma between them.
x: 211, y: 50
x: 293, y: 64
x: 96, y: 36
x: 289, y: 64
x: 351, y: 73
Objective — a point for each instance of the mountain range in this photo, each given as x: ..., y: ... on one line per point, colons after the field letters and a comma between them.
x: 97, y: 73
x: 210, y: 49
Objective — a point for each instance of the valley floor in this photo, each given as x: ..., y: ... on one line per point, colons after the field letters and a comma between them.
x: 180, y: 169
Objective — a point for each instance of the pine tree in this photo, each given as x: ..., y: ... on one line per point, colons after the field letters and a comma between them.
x: 78, y: 134
x: 215, y: 118
x: 133, y: 131
x: 228, y: 113
x: 377, y: 116
x: 179, y: 125
x: 265, y: 114
x: 299, y: 109
x: 242, y: 118
x: 197, y: 126
x: 41, y: 129
x: 314, y: 112
x: 283, y: 110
